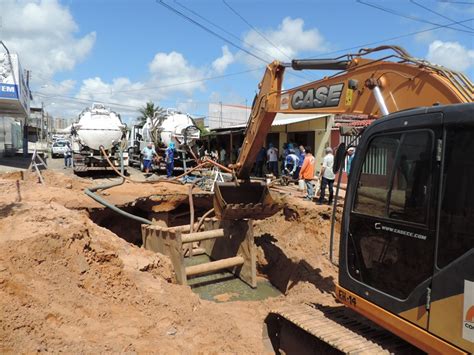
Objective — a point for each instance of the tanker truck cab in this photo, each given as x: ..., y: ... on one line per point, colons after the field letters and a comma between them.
x: 407, y: 237
x: 98, y: 137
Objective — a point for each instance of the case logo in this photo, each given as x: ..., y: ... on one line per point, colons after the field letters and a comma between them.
x: 323, y: 96
x: 468, y: 315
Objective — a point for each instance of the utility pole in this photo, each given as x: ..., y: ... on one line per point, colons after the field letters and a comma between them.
x: 220, y: 116
x: 42, y: 123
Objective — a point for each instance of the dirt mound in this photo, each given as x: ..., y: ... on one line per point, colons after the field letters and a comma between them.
x: 67, y: 284
x: 68, y: 190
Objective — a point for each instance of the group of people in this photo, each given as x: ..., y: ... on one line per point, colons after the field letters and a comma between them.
x: 149, y: 156
x: 219, y: 155
x: 298, y: 163
x: 326, y: 175
x: 291, y: 159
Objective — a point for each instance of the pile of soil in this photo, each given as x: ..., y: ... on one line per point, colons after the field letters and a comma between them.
x: 67, y: 284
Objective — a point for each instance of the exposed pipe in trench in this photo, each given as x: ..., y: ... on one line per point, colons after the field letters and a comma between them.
x: 91, y: 192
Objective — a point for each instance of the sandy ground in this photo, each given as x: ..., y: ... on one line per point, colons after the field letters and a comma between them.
x: 67, y: 284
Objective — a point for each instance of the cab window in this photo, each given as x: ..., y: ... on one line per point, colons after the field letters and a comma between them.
x: 395, y: 177
x: 456, y: 233
x: 374, y: 179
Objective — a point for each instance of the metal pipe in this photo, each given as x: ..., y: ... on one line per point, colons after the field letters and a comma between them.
x: 320, y: 64
x: 380, y: 100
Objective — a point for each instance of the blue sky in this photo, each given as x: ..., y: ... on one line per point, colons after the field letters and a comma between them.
x: 126, y: 52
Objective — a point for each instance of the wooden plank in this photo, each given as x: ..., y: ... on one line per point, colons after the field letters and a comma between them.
x: 247, y: 250
x: 200, y: 236
x: 185, y: 228
x: 167, y: 242
x: 214, y: 266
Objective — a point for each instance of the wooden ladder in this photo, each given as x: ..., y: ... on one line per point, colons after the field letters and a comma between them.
x: 229, y: 244
x: 36, y: 164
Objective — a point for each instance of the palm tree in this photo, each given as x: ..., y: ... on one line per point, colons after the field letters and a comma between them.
x: 149, y: 110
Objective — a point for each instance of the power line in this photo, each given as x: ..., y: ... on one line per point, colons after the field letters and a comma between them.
x: 394, y: 38
x: 71, y: 98
x: 220, y: 28
x: 253, y: 28
x: 410, y: 17
x: 265, y: 38
x: 176, y: 84
x: 457, y: 2
x: 207, y: 29
x: 437, y: 13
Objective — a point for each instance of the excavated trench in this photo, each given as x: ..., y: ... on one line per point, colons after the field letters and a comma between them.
x: 220, y: 286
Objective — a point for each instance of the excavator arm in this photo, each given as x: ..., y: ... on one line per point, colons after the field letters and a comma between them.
x: 375, y: 87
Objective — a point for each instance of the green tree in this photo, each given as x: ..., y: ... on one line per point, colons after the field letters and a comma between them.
x: 204, y: 131
x: 150, y: 110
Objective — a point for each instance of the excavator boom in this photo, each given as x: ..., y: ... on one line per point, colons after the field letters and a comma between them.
x: 374, y: 87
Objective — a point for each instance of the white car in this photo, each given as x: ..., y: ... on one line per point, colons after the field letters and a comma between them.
x: 59, y: 148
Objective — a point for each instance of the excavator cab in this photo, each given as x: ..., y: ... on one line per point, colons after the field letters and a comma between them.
x: 244, y: 200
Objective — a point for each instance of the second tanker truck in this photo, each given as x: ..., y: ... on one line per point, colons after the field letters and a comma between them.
x: 98, y: 127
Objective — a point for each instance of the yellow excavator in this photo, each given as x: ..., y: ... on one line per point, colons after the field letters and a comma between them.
x: 406, y: 256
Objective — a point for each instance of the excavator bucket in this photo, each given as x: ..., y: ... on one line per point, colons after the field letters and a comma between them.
x: 246, y: 200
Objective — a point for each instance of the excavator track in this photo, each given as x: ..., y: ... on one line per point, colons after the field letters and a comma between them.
x: 336, y: 329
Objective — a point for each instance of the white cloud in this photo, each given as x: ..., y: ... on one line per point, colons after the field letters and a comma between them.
x: 291, y: 38
x: 221, y: 63
x: 43, y: 34
x: 169, y: 73
x: 168, y: 69
x: 451, y: 54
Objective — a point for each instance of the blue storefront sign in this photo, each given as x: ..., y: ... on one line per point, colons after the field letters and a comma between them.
x: 8, y: 91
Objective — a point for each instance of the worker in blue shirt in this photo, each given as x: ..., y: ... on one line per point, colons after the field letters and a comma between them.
x: 301, y: 154
x: 169, y: 159
x: 148, y: 154
x: 349, y: 158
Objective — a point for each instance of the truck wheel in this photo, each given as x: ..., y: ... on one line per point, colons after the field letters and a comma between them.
x: 142, y: 167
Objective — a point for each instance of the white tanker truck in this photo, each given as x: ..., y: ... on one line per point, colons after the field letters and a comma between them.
x: 161, y: 130
x: 97, y: 126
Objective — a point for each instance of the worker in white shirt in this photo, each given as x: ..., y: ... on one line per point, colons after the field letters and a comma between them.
x: 327, y: 176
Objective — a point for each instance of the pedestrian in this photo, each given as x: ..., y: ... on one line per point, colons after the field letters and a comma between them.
x: 272, y: 157
x: 327, y: 176
x: 222, y: 156
x: 301, y: 156
x: 214, y: 154
x: 148, y: 154
x: 201, y: 150
x: 284, y: 154
x: 307, y: 173
x: 68, y: 156
x: 349, y: 158
x: 169, y: 159
x: 291, y: 165
x: 260, y: 161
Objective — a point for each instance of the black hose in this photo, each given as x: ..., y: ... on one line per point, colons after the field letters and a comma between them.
x: 91, y: 193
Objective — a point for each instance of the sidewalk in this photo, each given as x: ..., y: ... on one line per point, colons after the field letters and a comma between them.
x: 17, y: 162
